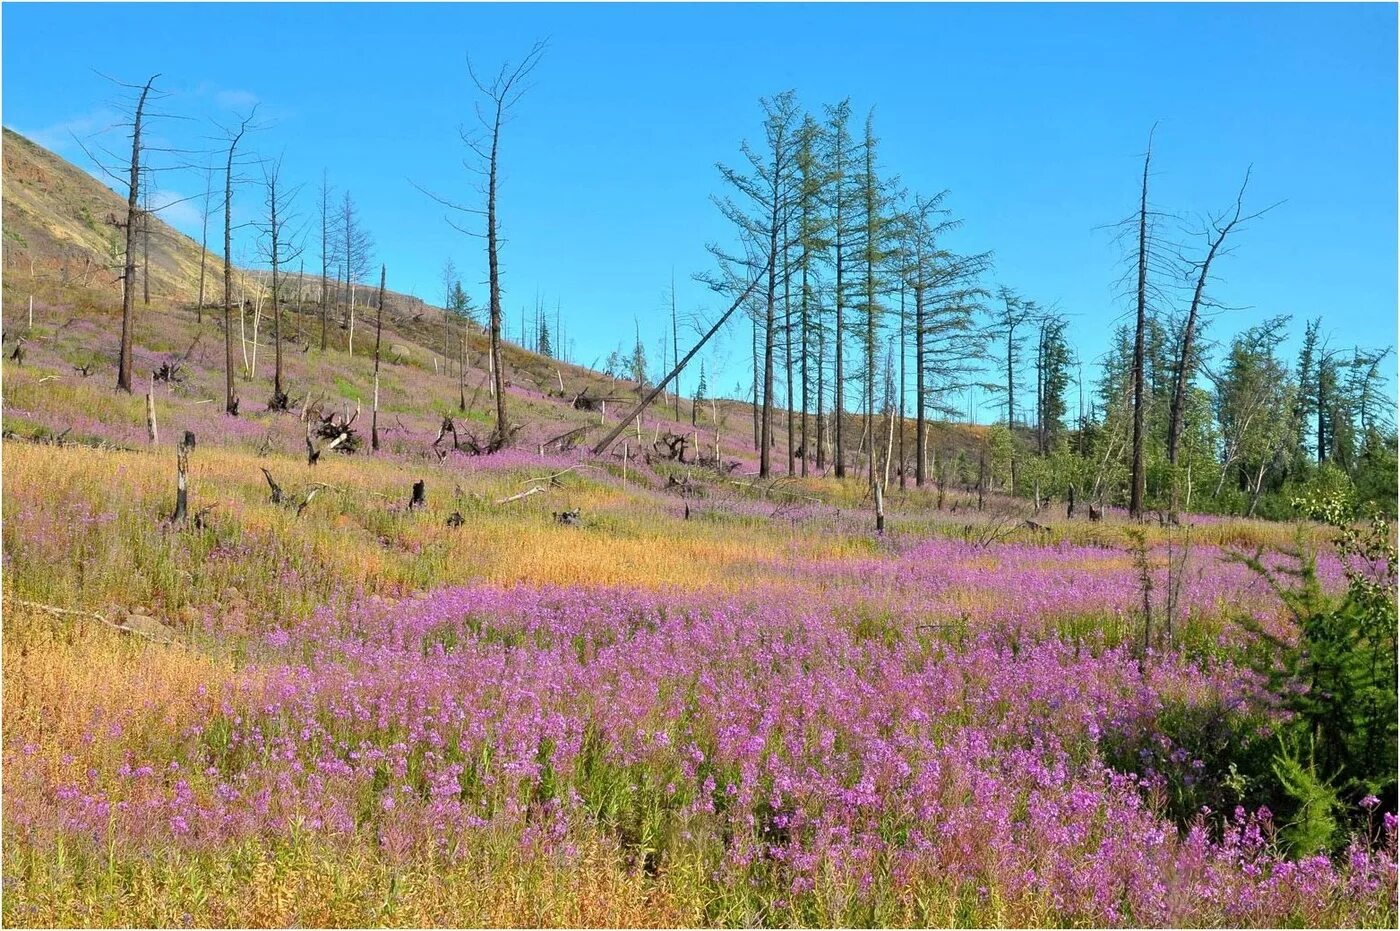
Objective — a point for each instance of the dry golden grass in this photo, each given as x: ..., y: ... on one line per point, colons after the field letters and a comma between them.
x: 302, y: 884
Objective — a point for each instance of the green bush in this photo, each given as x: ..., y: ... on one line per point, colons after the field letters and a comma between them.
x: 1339, y: 679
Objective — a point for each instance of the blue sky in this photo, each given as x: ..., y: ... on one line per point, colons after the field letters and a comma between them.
x: 1033, y: 117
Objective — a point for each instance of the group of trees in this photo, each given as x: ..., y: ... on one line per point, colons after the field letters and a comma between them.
x: 860, y: 293
x: 854, y: 296
x: 346, y: 247
x: 858, y: 285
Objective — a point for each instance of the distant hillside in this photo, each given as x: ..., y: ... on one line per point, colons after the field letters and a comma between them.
x: 62, y: 223
x: 63, y: 241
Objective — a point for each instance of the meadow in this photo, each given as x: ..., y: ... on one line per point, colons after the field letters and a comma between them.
x: 737, y: 707
x: 758, y: 713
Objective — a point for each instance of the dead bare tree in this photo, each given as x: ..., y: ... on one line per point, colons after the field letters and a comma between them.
x: 234, y: 137
x: 378, y: 338
x: 625, y: 422
x: 133, y: 199
x: 182, y: 468
x: 326, y: 247
x: 1217, y: 229
x: 279, y: 252
x: 146, y: 246
x: 204, y: 238
x: 501, y: 93
x: 1139, y: 473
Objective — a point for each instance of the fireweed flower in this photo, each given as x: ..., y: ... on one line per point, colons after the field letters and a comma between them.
x: 924, y: 723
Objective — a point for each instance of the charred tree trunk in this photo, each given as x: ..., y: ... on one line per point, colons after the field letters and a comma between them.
x: 146, y: 250
x: 129, y: 271
x: 1139, y: 473
x: 1188, y: 337
x: 378, y: 338
x: 636, y: 412
x: 182, y: 467
x: 279, y: 394
x: 231, y: 397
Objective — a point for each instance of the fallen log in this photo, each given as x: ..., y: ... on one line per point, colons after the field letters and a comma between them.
x: 524, y: 494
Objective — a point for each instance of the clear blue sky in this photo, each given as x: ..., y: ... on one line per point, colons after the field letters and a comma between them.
x: 1034, y: 117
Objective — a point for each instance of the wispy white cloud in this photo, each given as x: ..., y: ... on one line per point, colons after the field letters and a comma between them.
x: 240, y: 100
x: 59, y: 137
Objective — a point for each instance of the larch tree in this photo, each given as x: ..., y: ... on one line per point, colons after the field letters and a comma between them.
x: 760, y: 210
x: 1254, y: 402
x: 355, y: 247
x: 1304, y: 403
x: 874, y: 225
x: 810, y: 245
x: 839, y: 195
x: 1052, y: 363
x: 926, y: 222
x: 1014, y: 313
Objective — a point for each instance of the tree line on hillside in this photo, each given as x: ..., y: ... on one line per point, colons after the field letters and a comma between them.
x: 856, y: 298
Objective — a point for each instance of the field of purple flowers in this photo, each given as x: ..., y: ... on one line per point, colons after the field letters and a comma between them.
x: 914, y: 738
x: 734, y: 708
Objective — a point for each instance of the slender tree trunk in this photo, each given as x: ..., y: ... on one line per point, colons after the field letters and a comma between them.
x: 498, y: 380
x: 204, y: 243
x: 787, y: 352
x: 1139, y: 475
x: 378, y: 338
x: 129, y: 271
x: 279, y: 397
x: 231, y: 398
x: 1321, y: 411
x: 325, y: 254
x: 757, y: 378
x: 806, y: 351
x: 1011, y: 400
x: 838, y: 405
x: 821, y: 397
x: 903, y: 353
x: 920, y: 439
x: 146, y: 250
x: 1188, y: 347
x: 1040, y: 395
